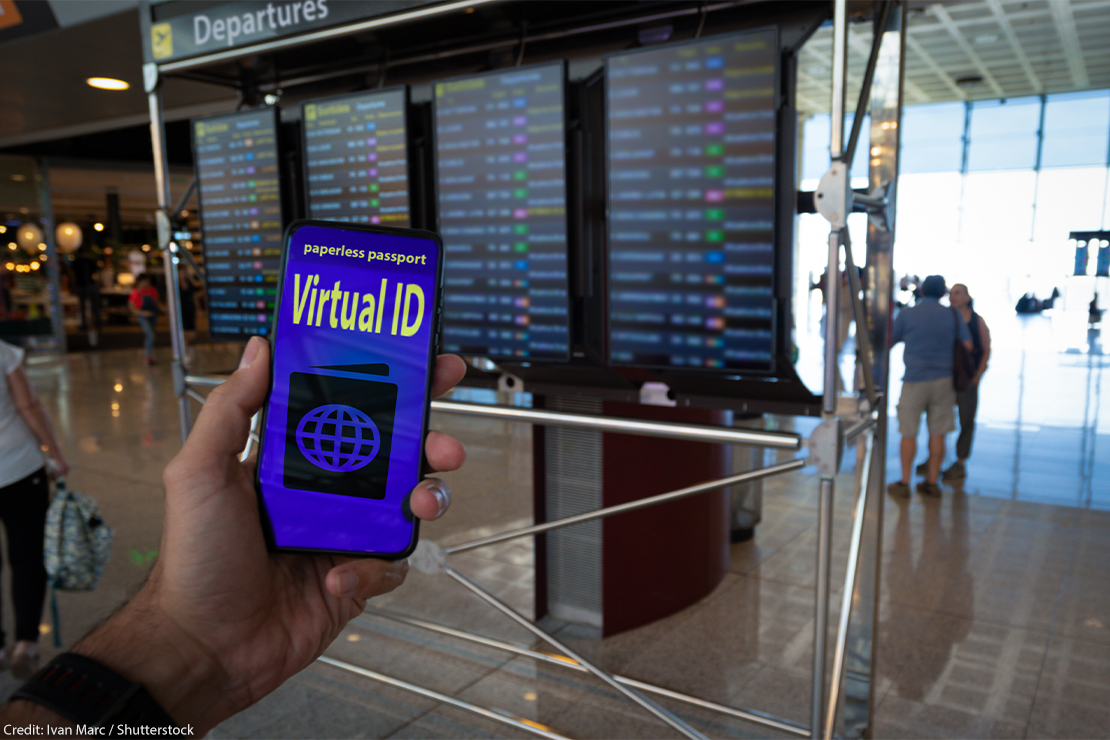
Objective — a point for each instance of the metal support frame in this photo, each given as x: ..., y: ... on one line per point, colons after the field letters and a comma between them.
x: 152, y: 82
x: 749, y: 715
x: 53, y: 256
x: 851, y: 685
x: 432, y: 558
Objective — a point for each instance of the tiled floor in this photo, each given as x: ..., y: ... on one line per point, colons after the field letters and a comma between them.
x: 994, y: 614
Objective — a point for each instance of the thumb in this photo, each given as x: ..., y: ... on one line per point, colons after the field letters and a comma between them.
x: 224, y: 422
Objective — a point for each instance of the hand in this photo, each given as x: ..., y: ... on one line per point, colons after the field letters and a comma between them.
x: 56, y: 465
x: 222, y: 622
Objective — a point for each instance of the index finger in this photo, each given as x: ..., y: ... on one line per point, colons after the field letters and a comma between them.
x: 449, y: 370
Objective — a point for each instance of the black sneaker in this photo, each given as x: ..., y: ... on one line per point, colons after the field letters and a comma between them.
x: 929, y: 489
x: 956, y: 472
x: 899, y: 489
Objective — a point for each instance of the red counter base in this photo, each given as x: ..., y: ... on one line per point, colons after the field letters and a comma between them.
x: 659, y: 560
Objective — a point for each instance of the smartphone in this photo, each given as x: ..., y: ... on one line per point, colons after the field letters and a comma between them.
x: 353, y: 346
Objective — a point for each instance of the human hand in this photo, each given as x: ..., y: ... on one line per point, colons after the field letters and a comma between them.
x: 56, y: 465
x: 222, y: 622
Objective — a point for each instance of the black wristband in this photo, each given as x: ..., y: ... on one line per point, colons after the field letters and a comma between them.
x: 85, y: 692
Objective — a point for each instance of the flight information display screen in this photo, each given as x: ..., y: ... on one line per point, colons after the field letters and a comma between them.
x: 501, y: 187
x: 356, y: 158
x: 691, y: 169
x: 240, y: 217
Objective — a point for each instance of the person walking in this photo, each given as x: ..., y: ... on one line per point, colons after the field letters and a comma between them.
x: 929, y: 330
x: 967, y: 401
x: 144, y: 304
x: 25, y: 435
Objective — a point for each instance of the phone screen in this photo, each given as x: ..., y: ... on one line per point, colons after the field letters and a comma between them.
x: 342, y: 439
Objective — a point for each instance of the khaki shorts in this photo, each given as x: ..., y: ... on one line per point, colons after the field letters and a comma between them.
x: 934, y: 398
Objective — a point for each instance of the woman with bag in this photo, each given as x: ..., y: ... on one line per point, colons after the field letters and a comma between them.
x: 25, y: 434
x: 967, y: 401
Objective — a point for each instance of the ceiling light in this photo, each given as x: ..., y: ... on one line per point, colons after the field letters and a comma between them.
x: 98, y: 226
x: 18, y: 177
x: 107, y: 83
x: 986, y: 38
x: 3, y: 229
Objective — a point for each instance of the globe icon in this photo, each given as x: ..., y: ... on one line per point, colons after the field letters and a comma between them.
x: 338, y: 438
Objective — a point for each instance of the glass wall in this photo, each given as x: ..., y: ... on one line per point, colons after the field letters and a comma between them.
x: 987, y: 195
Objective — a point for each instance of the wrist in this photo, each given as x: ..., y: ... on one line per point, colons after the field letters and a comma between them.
x: 144, y: 644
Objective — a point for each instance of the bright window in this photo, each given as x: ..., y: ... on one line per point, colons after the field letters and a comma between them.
x: 1076, y: 129
x: 932, y: 138
x: 1004, y: 134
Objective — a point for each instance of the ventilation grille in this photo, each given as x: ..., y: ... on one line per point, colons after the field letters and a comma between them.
x: 574, y: 486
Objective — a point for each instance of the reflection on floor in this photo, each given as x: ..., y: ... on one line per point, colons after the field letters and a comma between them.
x: 995, y: 611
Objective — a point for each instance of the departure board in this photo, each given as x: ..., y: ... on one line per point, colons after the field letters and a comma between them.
x: 501, y: 177
x: 240, y: 218
x: 691, y: 169
x: 356, y: 158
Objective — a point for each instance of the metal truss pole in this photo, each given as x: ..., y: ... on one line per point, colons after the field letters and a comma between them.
x: 827, y: 441
x: 490, y: 714
x: 635, y: 696
x: 749, y: 715
x: 152, y: 84
x: 858, y: 694
x: 53, y: 258
x: 643, y: 503
x: 849, y: 589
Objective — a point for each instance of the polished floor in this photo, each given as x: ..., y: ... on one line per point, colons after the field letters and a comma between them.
x: 995, y: 600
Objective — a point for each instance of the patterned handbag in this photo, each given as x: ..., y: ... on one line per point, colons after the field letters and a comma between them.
x: 77, y: 545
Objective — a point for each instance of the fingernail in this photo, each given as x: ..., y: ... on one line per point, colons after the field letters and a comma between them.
x: 251, y: 351
x: 441, y: 491
x: 346, y: 582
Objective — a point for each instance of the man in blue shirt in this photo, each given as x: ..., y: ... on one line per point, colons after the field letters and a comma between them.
x: 929, y: 330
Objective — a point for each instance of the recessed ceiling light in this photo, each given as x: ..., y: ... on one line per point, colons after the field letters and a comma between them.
x: 986, y: 38
x: 107, y: 83
x: 19, y: 177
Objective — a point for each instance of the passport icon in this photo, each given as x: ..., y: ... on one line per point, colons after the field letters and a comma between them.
x: 339, y: 430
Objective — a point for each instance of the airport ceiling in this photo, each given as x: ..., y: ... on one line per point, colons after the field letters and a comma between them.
x: 962, y: 50
x: 957, y: 50
x: 979, y: 49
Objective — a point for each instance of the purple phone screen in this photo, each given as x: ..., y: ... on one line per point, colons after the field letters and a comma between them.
x: 342, y: 446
